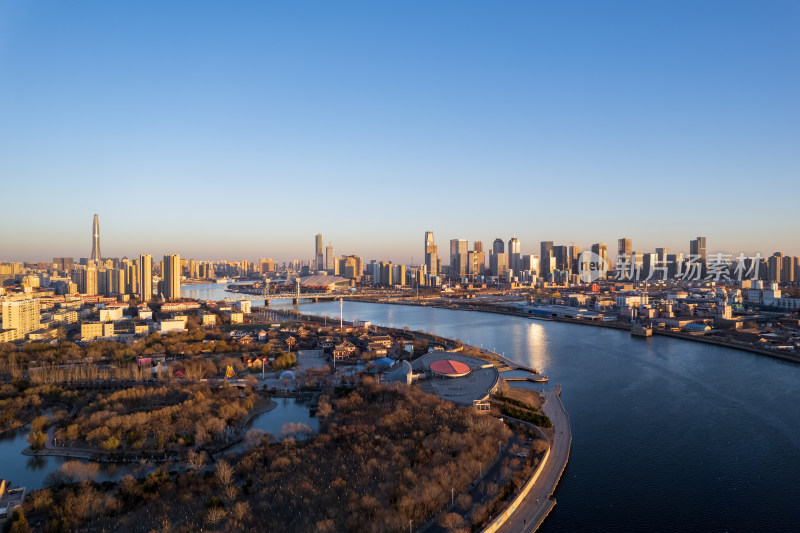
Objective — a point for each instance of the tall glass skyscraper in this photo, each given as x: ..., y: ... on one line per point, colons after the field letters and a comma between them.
x: 318, y: 255
x: 95, y: 241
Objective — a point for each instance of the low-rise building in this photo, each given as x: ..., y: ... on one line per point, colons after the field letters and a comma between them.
x: 174, y: 324
x: 9, y: 335
x: 111, y: 314
x: 343, y: 350
x: 176, y: 307
x: 93, y: 329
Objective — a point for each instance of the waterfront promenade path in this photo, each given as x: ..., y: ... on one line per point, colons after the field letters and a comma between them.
x: 536, y: 506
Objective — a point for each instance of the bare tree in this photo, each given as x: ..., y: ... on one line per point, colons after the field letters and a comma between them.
x: 196, y: 460
x: 253, y: 437
x: 224, y: 473
x: 230, y: 491
x: 215, y: 515
x: 296, y: 430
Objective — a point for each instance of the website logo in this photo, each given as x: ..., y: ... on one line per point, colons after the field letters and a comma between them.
x: 591, y: 267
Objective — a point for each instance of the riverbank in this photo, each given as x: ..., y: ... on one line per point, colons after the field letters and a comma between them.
x: 533, y: 504
x: 458, y: 306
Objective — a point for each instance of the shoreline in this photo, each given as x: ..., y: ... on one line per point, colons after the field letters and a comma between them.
x: 542, y: 483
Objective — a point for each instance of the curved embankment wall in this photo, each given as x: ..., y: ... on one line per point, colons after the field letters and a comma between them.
x: 501, y: 519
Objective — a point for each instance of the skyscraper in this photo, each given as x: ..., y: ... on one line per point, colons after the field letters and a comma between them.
x: 574, y: 255
x: 145, y: 277
x: 601, y: 250
x: 431, y: 255
x: 458, y: 256
x: 561, y: 253
x: 498, y: 261
x: 172, y: 277
x: 698, y: 247
x: 329, y: 259
x: 479, y: 259
x: 514, y: 261
x: 546, y: 248
x: 319, y: 260
x: 498, y: 246
x: 95, y: 240
x: 625, y: 248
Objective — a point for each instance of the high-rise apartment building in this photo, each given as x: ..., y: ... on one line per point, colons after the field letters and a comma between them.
x: 399, y: 275
x: 145, y: 276
x: 21, y: 315
x: 65, y: 264
x: 775, y: 267
x: 105, y: 281
x: 788, y: 269
x: 95, y: 241
x: 87, y: 279
x: 384, y: 274
x: 131, y: 275
x: 172, y: 277
x: 118, y: 285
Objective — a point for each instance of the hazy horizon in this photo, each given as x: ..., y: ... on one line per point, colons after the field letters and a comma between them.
x: 305, y: 253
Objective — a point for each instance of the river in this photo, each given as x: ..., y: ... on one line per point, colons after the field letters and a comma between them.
x: 668, y: 435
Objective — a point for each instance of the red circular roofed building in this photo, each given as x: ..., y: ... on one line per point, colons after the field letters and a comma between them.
x: 449, y: 368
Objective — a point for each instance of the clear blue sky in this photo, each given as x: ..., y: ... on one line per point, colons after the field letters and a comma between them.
x: 202, y: 128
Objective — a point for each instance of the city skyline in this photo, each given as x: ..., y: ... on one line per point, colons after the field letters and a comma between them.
x: 526, y: 247
x: 561, y: 123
